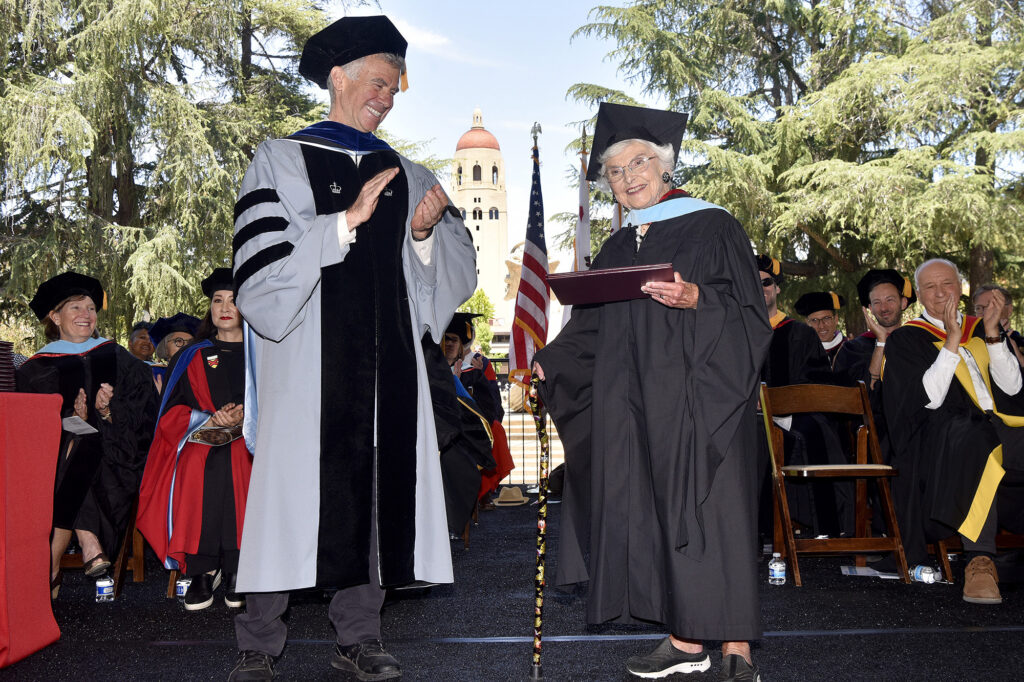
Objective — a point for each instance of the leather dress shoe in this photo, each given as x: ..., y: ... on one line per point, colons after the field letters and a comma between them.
x: 368, y: 660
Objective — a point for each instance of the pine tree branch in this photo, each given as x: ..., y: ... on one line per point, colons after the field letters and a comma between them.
x: 846, y: 264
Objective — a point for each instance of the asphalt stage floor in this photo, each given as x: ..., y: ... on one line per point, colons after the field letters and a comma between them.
x: 480, y: 628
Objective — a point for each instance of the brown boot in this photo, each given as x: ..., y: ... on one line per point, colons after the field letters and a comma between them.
x: 981, y: 583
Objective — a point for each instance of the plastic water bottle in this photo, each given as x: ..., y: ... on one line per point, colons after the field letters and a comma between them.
x: 776, y: 570
x: 104, y: 588
x: 181, y: 586
x: 923, y: 574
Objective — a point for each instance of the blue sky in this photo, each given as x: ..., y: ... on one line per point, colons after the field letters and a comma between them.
x: 515, y: 61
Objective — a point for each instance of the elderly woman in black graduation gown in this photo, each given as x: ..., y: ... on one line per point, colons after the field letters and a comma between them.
x: 111, y: 392
x: 654, y: 399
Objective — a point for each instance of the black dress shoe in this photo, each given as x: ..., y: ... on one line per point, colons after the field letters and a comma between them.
x: 667, y: 660
x: 252, y: 665
x: 200, y: 591
x: 368, y: 660
x: 735, y: 667
x: 232, y: 599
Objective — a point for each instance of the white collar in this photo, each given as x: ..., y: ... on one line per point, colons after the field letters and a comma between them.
x: 836, y: 340
x: 939, y: 323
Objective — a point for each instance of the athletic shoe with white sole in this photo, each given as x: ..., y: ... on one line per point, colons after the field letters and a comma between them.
x: 667, y: 660
x: 200, y: 591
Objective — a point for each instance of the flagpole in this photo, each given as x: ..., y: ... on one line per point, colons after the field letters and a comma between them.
x: 581, y: 244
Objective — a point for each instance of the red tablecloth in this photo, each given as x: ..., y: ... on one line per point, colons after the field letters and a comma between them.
x: 29, y: 439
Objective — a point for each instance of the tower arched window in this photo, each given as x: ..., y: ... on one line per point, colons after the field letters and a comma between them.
x: 477, y: 173
x: 493, y: 213
x: 458, y: 178
x: 478, y: 214
x: 463, y: 213
x: 494, y: 175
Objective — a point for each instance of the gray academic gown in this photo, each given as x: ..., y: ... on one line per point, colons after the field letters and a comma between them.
x: 290, y: 272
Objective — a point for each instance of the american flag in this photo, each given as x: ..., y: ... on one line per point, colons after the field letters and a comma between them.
x: 530, y: 326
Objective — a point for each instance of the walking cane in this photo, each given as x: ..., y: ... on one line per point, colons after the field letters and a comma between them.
x: 539, y: 419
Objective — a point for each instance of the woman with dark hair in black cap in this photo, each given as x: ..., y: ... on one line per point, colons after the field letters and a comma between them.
x: 654, y: 398
x: 192, y: 500
x: 109, y: 406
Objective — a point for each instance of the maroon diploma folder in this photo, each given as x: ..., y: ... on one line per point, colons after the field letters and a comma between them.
x: 608, y: 284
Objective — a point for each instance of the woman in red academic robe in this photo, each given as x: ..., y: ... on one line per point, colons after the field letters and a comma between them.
x: 192, y: 501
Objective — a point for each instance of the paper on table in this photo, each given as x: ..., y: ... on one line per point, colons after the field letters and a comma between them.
x: 77, y: 426
x: 868, y: 571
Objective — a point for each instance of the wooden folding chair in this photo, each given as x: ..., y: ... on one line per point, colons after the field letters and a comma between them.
x: 808, y: 398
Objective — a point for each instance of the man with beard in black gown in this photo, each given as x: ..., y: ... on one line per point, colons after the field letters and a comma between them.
x: 884, y: 295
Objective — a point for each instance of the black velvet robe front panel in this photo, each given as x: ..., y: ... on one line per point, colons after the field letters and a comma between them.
x: 368, y: 380
x: 655, y: 408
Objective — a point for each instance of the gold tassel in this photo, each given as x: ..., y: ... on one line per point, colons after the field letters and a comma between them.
x: 404, y: 81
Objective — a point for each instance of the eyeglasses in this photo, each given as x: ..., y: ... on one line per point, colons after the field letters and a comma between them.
x: 177, y: 342
x: 820, y: 320
x: 637, y: 165
x: 767, y: 282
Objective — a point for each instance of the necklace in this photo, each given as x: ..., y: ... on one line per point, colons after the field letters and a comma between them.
x: 641, y: 232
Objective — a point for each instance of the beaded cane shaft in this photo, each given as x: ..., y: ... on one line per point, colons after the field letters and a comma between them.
x: 539, y: 419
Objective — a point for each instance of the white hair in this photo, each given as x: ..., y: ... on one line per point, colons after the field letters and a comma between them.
x: 665, y: 154
x: 933, y: 261
x: 355, y: 67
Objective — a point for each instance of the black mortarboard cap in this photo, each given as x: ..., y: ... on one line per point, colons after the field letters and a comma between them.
x: 873, y: 278
x: 219, y: 280
x: 462, y: 325
x: 179, y: 322
x: 770, y: 265
x: 617, y: 122
x: 54, y: 290
x: 818, y: 300
x: 346, y: 40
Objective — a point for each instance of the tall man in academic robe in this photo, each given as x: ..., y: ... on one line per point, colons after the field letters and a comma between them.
x: 952, y: 396
x: 346, y: 255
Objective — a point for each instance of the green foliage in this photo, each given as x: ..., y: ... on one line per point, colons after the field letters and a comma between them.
x: 843, y: 134
x: 479, y: 303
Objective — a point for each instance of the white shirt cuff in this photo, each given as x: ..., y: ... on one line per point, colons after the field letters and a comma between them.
x: 425, y: 249
x: 784, y: 423
x: 1004, y: 368
x: 345, y: 235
